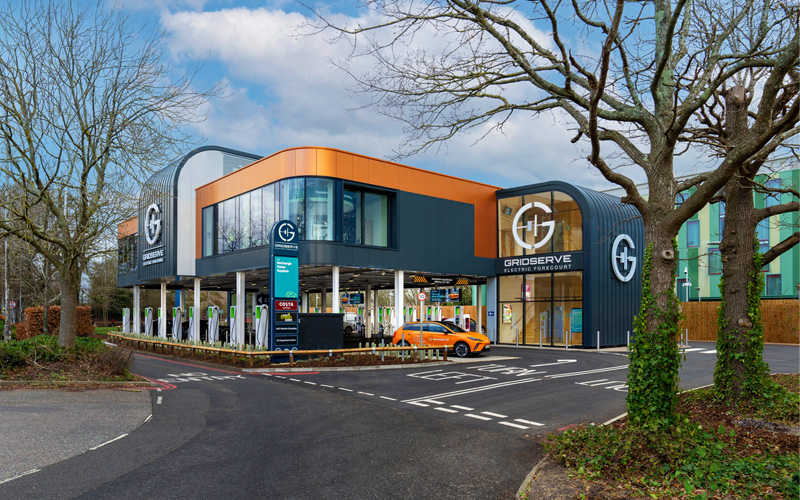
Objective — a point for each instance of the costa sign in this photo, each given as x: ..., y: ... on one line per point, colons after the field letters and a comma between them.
x: 285, y: 305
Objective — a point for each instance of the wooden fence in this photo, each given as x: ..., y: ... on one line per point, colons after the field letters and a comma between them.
x: 781, y: 320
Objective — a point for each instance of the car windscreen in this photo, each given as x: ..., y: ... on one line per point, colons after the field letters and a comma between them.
x: 455, y: 328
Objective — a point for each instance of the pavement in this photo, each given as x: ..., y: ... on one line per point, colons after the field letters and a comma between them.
x: 42, y: 427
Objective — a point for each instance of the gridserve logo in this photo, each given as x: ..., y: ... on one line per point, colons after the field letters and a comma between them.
x: 533, y: 226
x: 622, y: 256
x: 152, y: 233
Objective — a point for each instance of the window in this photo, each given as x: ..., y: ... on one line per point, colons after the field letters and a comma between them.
x: 320, y: 209
x: 231, y: 162
x: 714, y: 261
x: 243, y: 221
x: 763, y: 247
x: 772, y: 199
x: 693, y: 234
x: 774, y: 285
x: 561, y: 221
x: 126, y: 254
x: 293, y: 204
x: 680, y: 198
x: 269, y: 209
x: 256, y: 219
x: 721, y: 219
x: 208, y: 231
x: 376, y: 219
x: 351, y: 217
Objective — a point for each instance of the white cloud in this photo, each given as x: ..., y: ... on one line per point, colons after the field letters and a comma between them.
x: 284, y: 92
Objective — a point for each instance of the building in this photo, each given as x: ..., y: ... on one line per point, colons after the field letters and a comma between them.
x: 557, y: 264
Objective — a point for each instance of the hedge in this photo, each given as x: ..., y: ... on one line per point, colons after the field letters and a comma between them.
x: 34, y: 321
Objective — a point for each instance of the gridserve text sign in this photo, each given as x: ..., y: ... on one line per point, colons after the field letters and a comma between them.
x: 284, y: 290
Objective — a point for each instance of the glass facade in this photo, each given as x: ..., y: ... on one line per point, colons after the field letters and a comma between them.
x: 323, y: 209
x: 546, y: 307
x: 126, y: 254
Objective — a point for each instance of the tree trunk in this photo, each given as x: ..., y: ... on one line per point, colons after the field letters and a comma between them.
x: 740, y: 369
x: 654, y: 358
x: 69, y: 304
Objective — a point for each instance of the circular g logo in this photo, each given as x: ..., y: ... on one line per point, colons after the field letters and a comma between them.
x: 533, y: 226
x: 286, y: 232
x: 152, y: 224
x: 623, y: 258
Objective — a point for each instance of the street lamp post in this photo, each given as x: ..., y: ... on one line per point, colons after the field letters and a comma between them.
x: 686, y: 284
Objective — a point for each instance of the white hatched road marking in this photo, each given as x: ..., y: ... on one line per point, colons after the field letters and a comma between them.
x: 415, y: 403
x: 479, y: 417
x: 476, y: 389
x: 496, y: 415
x: 529, y: 422
x: 587, y: 372
x: 446, y: 410
x: 513, y: 425
x: 465, y: 408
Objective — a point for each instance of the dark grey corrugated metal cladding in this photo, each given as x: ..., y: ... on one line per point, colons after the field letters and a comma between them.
x: 162, y: 188
x: 609, y: 305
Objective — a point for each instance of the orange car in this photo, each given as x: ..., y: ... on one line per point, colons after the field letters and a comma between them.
x: 437, y: 333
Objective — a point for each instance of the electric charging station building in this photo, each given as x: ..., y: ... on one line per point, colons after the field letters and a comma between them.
x: 559, y: 263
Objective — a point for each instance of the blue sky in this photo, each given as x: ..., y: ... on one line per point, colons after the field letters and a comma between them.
x: 282, y: 90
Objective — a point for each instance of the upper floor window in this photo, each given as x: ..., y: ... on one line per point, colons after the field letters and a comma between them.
x: 546, y: 222
x: 772, y: 199
x: 714, y: 261
x: 693, y: 234
x: 773, y: 287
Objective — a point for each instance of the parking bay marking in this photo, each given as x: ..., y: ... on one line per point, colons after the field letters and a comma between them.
x: 439, y: 375
x: 473, y: 389
x: 619, y: 385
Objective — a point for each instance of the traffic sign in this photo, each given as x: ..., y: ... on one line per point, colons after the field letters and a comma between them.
x: 13, y: 304
x: 421, y: 296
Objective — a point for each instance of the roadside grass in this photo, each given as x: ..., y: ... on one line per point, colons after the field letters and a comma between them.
x: 713, y: 451
x: 40, y: 358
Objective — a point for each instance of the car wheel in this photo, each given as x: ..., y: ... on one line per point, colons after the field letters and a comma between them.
x: 348, y: 330
x: 461, y: 349
x: 403, y: 343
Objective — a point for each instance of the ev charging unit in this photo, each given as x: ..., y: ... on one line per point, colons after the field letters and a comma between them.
x: 126, y: 320
x: 262, y: 325
x: 465, y: 322
x: 232, y: 326
x: 360, y: 320
x: 438, y: 313
x: 191, y: 325
x: 458, y: 317
x: 177, y: 323
x: 213, y: 324
x: 148, y: 321
x: 410, y: 314
x: 428, y: 313
x: 162, y: 324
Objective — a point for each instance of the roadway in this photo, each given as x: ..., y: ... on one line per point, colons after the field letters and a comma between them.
x: 459, y: 431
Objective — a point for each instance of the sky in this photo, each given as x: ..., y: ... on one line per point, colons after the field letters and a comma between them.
x: 282, y: 90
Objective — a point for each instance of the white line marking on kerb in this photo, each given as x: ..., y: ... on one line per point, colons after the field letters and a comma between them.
x: 19, y: 476
x: 109, y: 441
x: 496, y: 415
x: 148, y: 418
x: 513, y: 425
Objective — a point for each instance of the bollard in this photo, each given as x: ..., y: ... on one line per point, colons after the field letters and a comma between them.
x: 598, y: 340
x: 566, y: 339
x: 628, y: 345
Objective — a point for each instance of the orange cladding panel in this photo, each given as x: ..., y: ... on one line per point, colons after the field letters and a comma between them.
x: 377, y: 172
x: 344, y: 166
x: 361, y: 169
x: 128, y: 227
x: 326, y: 162
x: 391, y: 172
x: 306, y: 162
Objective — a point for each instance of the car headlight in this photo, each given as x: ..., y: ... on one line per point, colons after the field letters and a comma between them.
x: 476, y: 340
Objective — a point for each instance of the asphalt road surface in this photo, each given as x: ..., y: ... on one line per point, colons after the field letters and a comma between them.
x: 457, y: 431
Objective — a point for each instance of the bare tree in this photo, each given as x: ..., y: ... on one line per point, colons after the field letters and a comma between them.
x: 89, y: 108
x: 630, y: 77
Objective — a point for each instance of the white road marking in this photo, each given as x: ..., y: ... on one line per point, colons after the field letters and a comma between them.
x: 431, y: 401
x: 479, y: 417
x: 465, y: 408
x: 280, y: 376
x: 326, y: 385
x: 558, y: 362
x: 309, y: 383
x: 693, y: 349
x: 496, y: 415
x: 712, y: 351
x: 345, y: 389
x: 587, y: 372
x: 366, y: 393
x: 476, y: 389
x: 447, y: 410
x: 513, y: 425
x: 19, y: 476
x: 295, y: 380
x: 416, y: 403
x: 148, y: 418
x: 390, y: 399
x: 158, y: 401
x: 529, y: 422
x: 109, y: 441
